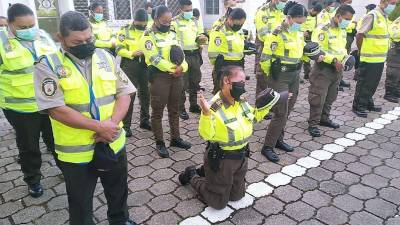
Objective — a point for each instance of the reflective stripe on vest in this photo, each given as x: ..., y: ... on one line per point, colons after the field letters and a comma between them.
x: 376, y: 42
x: 182, y: 37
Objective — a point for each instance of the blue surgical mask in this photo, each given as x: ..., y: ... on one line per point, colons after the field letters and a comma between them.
x: 344, y: 23
x: 280, y: 5
x: 295, y: 27
x: 98, y: 17
x: 188, y: 15
x: 27, y: 34
x: 389, y: 9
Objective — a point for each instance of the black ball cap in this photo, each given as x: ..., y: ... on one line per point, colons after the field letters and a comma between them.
x: 313, y: 50
x: 176, y: 55
x: 269, y: 96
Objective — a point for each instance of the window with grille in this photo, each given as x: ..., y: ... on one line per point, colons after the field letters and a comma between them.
x: 212, y: 7
x: 122, y: 10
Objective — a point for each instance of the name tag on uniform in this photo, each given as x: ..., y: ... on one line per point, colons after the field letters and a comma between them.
x: 230, y: 38
x: 185, y: 28
x: 162, y: 44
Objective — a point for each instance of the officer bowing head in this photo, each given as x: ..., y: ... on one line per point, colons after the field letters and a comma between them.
x: 141, y: 19
x: 343, y: 16
x: 296, y: 15
x: 162, y: 19
x: 76, y: 35
x: 22, y: 22
x: 236, y: 19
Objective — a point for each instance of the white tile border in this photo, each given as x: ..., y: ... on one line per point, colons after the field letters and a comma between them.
x: 261, y: 189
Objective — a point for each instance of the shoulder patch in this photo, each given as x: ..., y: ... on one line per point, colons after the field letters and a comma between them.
x: 148, y: 44
x: 121, y: 37
x: 274, y: 45
x: 217, y: 41
x: 49, y: 87
x: 216, y: 105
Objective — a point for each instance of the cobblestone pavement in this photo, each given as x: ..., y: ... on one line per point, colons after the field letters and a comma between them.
x: 355, y: 184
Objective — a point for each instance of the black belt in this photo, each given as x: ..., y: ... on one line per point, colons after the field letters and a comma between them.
x: 236, y: 154
x: 396, y: 44
x: 290, y: 67
x: 191, y: 52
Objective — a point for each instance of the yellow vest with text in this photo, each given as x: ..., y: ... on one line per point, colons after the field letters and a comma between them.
x: 187, y: 32
x: 227, y: 43
x: 16, y: 71
x: 284, y: 45
x: 376, y: 42
x: 103, y: 35
x: 77, y: 145
x: 267, y: 19
x: 128, y: 41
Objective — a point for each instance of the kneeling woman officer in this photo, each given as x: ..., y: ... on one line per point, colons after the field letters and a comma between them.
x: 227, y: 125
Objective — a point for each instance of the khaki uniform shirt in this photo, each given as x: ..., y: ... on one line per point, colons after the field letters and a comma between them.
x: 43, y: 71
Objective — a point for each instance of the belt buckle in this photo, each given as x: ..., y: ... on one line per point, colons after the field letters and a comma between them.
x: 283, y: 68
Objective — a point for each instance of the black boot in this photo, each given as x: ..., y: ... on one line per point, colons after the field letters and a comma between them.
x: 391, y: 98
x: 180, y: 143
x: 360, y: 112
x: 195, y: 109
x: 162, y: 150
x: 344, y: 84
x: 183, y: 115
x: 329, y: 124
x: 130, y: 222
x: 270, y: 154
x: 145, y: 124
x: 186, y: 176
x: 314, y: 131
x: 200, y: 171
x: 35, y: 190
x: 375, y: 108
x: 285, y: 147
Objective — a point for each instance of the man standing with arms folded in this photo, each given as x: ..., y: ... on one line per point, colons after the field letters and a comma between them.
x: 373, y: 44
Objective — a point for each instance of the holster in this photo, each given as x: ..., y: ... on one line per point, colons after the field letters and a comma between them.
x: 275, y: 68
x: 214, y: 155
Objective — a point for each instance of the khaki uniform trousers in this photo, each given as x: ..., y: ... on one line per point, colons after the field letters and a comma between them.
x: 227, y: 184
x: 323, y: 91
x: 392, y: 83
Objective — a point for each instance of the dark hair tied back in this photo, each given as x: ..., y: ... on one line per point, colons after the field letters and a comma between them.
x: 295, y: 9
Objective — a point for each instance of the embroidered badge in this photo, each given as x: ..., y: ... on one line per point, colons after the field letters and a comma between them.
x: 148, y: 45
x: 49, y: 87
x: 218, y: 41
x: 63, y: 72
x: 274, y: 45
x: 121, y: 37
x: 321, y: 37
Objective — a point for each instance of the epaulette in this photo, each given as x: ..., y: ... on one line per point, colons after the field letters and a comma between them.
x: 40, y: 59
x: 216, y: 105
x: 219, y: 27
x: 147, y: 32
x: 325, y: 27
x: 277, y: 30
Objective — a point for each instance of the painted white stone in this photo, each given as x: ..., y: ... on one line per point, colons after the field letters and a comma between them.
x: 278, y: 179
x: 334, y: 148
x: 246, y: 201
x: 345, y: 142
x: 373, y: 125
x: 308, y: 162
x: 197, y: 220
x: 355, y: 136
x: 395, y: 112
x: 365, y: 130
x: 321, y: 155
x: 294, y: 170
x: 381, y: 121
x: 259, y: 189
x: 389, y: 116
x: 214, y: 215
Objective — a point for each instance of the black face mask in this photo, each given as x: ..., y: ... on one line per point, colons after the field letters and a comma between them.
x: 163, y: 28
x: 82, y: 51
x: 140, y: 27
x: 237, y: 90
x: 236, y: 27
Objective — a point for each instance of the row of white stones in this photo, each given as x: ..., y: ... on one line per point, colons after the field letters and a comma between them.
x: 266, y: 187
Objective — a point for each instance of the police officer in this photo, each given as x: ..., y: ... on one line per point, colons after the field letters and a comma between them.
x: 134, y: 65
x: 268, y: 17
x: 281, y: 62
x: 104, y: 36
x: 326, y: 14
x: 21, y: 46
x: 227, y: 44
x: 86, y: 95
x: 392, y: 83
x: 190, y: 35
x: 308, y: 28
x: 373, y: 44
x: 227, y: 125
x: 165, y: 74
x: 327, y: 72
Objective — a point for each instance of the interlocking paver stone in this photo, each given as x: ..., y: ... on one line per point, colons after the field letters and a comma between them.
x: 332, y: 216
x: 346, y: 177
x: 381, y: 208
x: 269, y: 206
x: 364, y: 218
x: 163, y: 203
x: 287, y: 193
x: 10, y: 208
x: 247, y: 217
x: 319, y: 174
x: 374, y: 181
x: 28, y: 214
x: 332, y: 187
x: 189, y: 208
x: 348, y: 203
x: 316, y: 198
x: 304, y: 183
x: 390, y: 194
x: 299, y: 211
x: 279, y: 219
